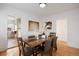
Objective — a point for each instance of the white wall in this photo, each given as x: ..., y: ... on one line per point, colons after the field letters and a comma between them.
x: 3, y: 32
x: 4, y: 12
x: 73, y: 29
x: 72, y: 17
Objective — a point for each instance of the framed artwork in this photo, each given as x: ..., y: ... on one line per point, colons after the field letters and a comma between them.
x: 48, y: 25
x: 33, y: 26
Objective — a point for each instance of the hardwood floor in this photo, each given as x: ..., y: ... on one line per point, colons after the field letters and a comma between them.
x: 3, y: 53
x: 63, y: 50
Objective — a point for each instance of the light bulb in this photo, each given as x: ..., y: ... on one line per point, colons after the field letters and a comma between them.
x: 42, y: 5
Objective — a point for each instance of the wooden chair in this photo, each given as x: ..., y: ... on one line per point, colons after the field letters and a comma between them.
x: 54, y: 42
x: 41, y: 36
x: 25, y: 51
x: 36, y: 50
x: 52, y: 33
x: 54, y: 45
x: 32, y: 37
x: 46, y: 48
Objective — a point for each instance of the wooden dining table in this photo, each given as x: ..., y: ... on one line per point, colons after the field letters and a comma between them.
x: 34, y: 43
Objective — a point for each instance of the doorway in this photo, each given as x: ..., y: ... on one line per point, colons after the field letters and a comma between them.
x: 12, y: 30
x: 61, y: 29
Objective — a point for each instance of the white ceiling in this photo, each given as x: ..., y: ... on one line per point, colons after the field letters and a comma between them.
x: 51, y: 8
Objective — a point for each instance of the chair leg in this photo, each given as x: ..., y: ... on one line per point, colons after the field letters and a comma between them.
x: 34, y: 53
x: 42, y: 53
x: 19, y: 52
x: 50, y: 52
x: 56, y: 48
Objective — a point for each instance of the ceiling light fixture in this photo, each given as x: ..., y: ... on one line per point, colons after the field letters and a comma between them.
x: 42, y: 5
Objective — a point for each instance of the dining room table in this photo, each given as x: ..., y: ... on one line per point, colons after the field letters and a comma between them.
x: 34, y: 43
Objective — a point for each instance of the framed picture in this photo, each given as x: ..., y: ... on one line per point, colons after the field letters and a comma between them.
x: 33, y: 26
x: 48, y: 25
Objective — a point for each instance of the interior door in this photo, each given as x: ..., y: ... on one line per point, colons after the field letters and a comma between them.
x: 61, y: 29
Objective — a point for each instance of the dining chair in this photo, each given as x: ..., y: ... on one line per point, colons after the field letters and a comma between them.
x: 52, y: 33
x: 41, y: 36
x: 46, y: 48
x: 54, y: 41
x: 32, y: 37
x: 36, y: 50
x: 25, y: 51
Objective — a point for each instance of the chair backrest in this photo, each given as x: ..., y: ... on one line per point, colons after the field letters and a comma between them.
x: 32, y: 37
x: 52, y: 33
x: 47, y: 46
x: 26, y: 51
x: 40, y: 36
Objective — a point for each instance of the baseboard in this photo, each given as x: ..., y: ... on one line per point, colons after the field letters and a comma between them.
x: 12, y: 47
x: 62, y: 40
x: 7, y: 49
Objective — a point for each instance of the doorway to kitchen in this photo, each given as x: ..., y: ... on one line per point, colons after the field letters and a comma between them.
x: 12, y: 30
